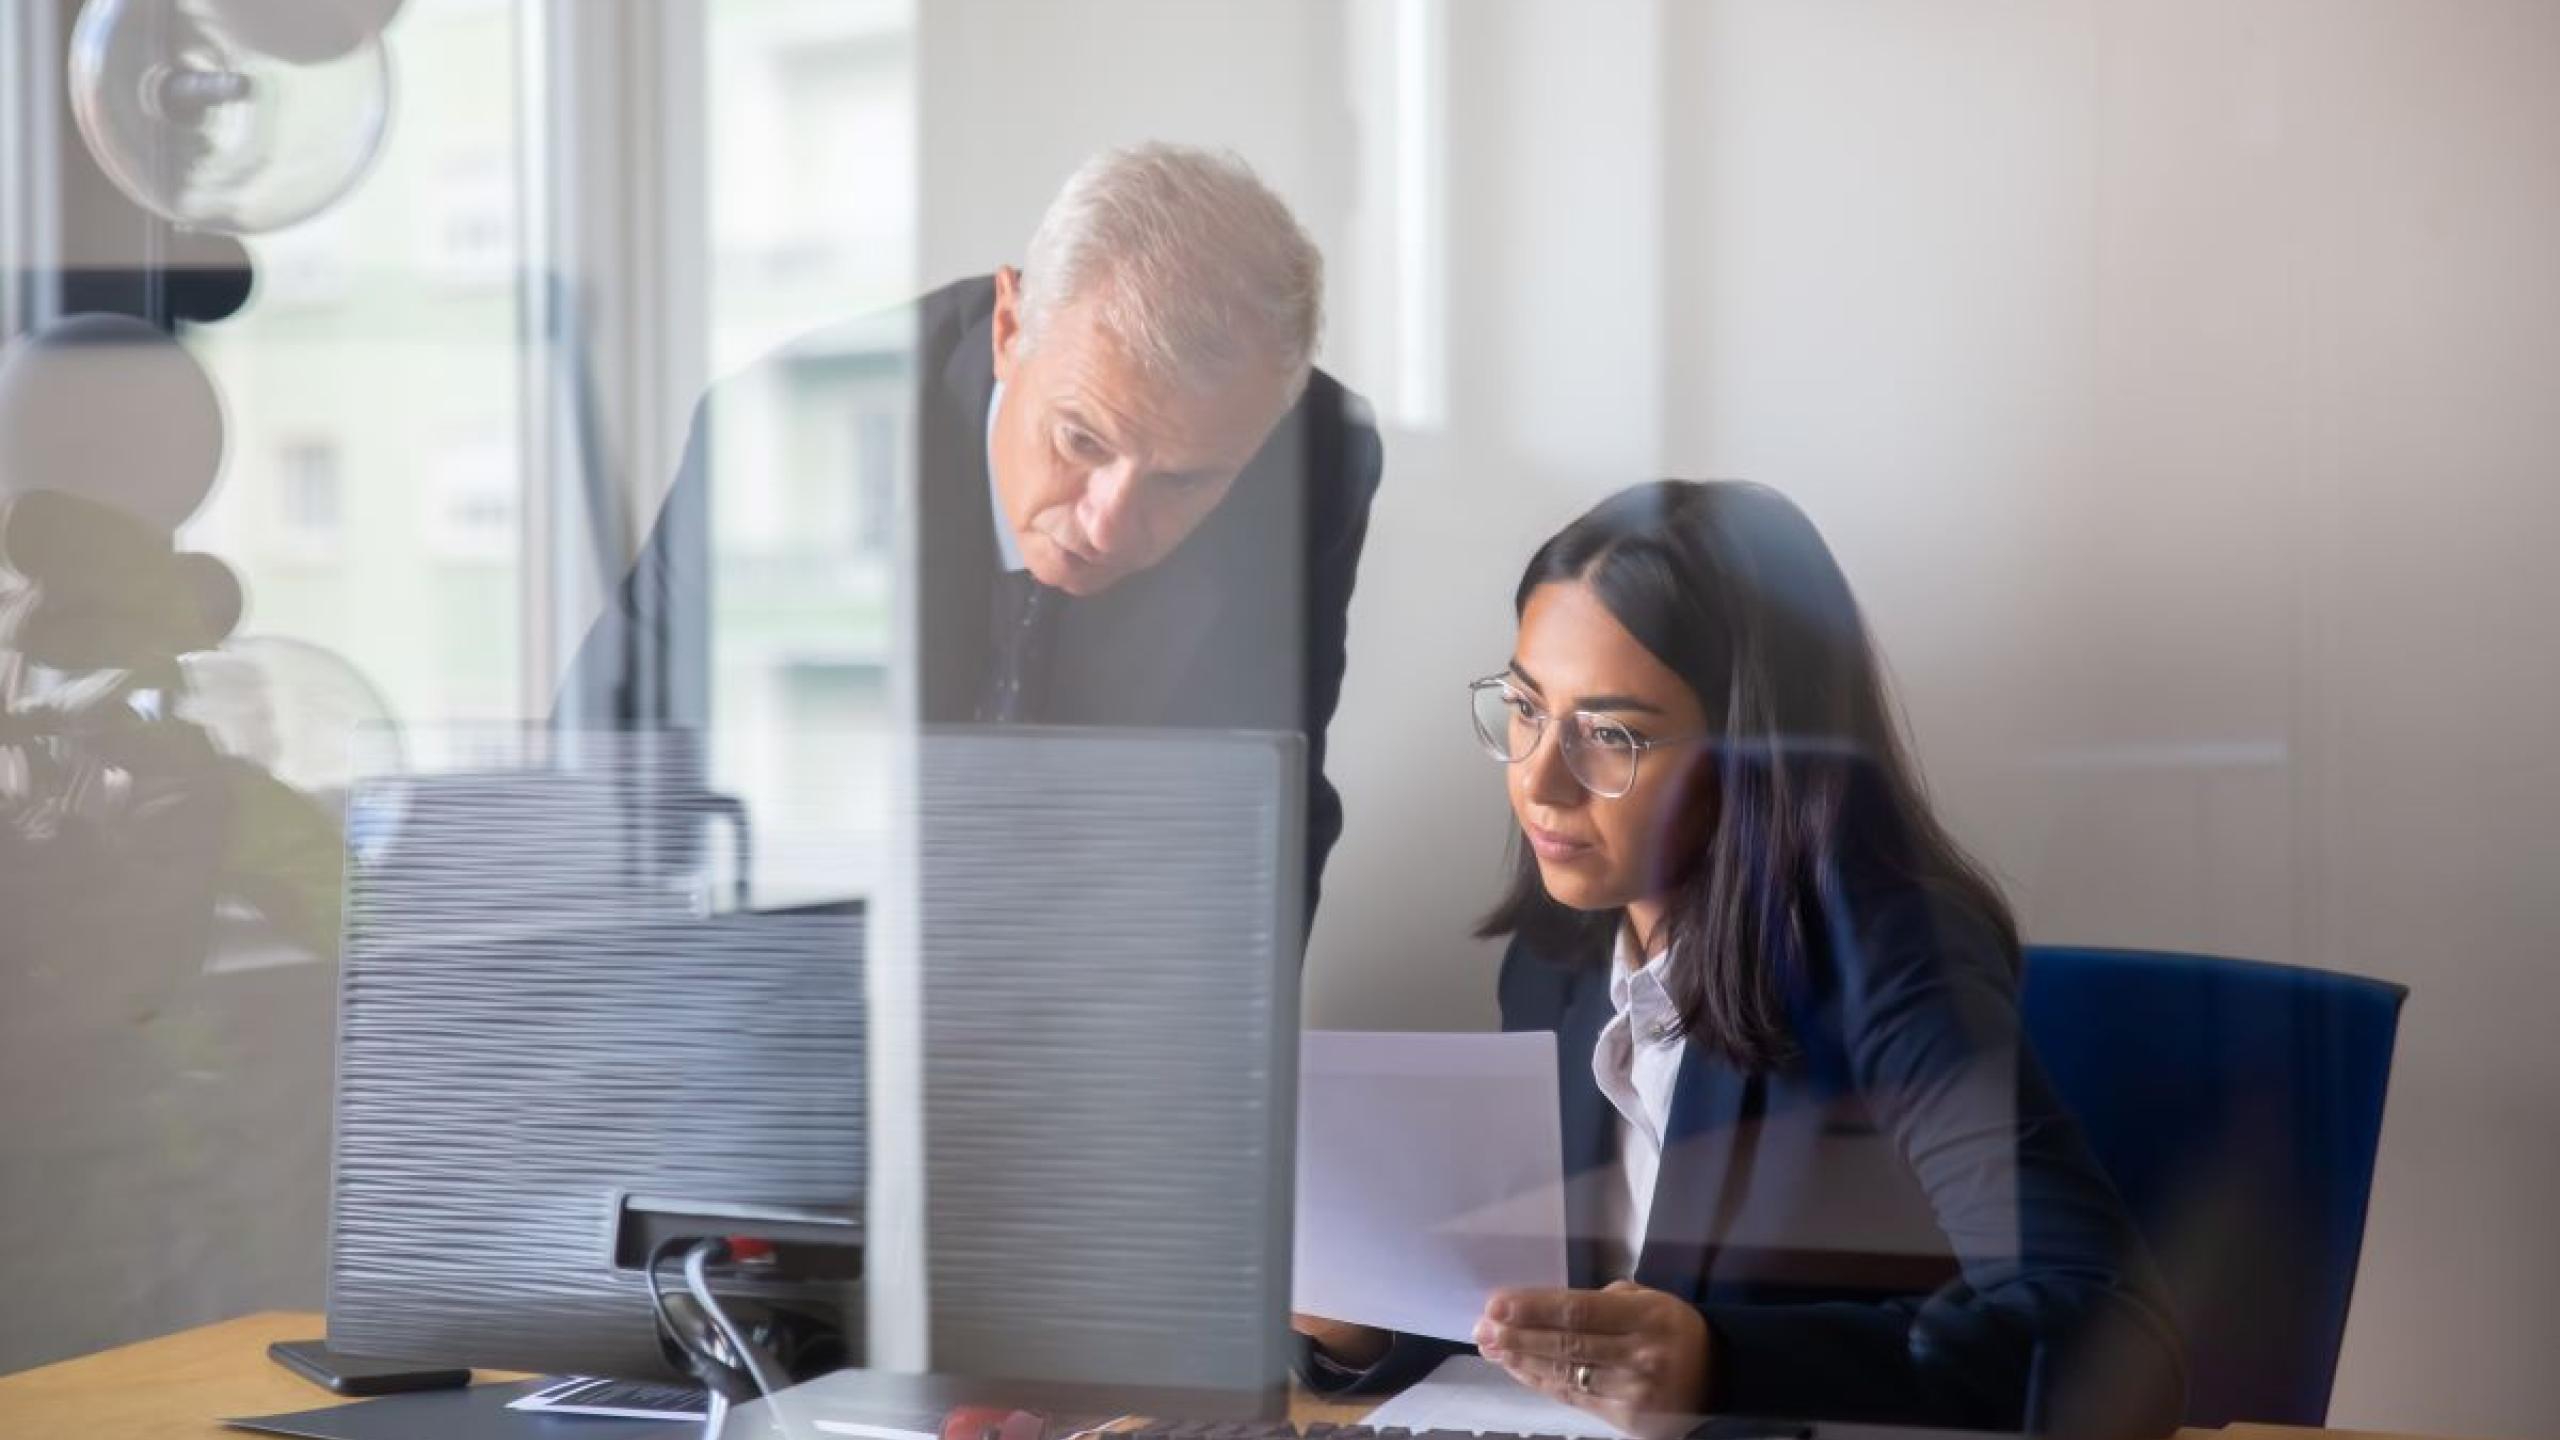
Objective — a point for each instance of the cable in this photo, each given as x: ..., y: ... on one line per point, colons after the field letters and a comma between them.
x: 668, y: 1330
x: 725, y: 1382
x: 683, y: 1340
x: 697, y: 1281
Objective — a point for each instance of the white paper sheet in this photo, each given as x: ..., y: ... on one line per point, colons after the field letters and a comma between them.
x: 615, y: 1400
x: 1430, y: 1174
x: 1470, y: 1393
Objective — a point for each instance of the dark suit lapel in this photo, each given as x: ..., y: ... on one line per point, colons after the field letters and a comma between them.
x: 1130, y: 655
x: 1589, y: 1138
x: 1694, y: 1191
x: 955, y: 525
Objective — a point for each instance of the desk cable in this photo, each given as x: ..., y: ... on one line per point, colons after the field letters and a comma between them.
x: 733, y: 1366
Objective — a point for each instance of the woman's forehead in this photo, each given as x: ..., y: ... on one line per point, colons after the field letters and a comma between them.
x: 1573, y: 651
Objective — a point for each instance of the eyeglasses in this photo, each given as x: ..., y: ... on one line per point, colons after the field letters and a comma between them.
x: 1601, y: 753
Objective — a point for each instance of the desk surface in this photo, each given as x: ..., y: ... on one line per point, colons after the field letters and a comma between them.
x: 179, y: 1387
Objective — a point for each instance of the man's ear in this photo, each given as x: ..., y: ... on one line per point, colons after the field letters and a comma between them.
x: 1007, y: 329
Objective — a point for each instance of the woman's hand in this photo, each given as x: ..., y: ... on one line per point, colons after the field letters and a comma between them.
x: 1353, y: 1347
x: 1635, y: 1357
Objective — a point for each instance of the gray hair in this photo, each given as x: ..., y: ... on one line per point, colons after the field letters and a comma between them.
x: 1189, y: 258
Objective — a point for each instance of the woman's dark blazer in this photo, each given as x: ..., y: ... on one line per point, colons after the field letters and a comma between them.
x: 1902, y: 1224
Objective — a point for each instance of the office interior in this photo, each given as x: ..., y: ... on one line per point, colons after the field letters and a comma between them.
x: 2172, y: 379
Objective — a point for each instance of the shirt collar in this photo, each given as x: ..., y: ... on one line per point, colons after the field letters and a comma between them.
x: 1638, y: 990
x: 1008, y: 549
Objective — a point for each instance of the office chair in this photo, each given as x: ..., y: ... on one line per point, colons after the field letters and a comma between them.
x: 2237, y: 1106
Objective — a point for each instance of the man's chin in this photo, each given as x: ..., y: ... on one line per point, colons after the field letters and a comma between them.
x: 1059, y: 571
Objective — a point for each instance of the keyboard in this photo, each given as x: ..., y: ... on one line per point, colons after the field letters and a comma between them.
x: 1720, y: 1428
x: 675, y: 1402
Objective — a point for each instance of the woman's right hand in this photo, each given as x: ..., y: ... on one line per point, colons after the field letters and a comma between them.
x: 1353, y: 1347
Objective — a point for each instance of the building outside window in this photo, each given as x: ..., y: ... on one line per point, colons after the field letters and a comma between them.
x: 310, y: 500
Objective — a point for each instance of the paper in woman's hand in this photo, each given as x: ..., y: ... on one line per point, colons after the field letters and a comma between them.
x: 1430, y: 1174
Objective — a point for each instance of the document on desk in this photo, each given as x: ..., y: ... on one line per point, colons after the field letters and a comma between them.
x: 1430, y: 1174
x: 480, y: 1412
x: 1469, y: 1393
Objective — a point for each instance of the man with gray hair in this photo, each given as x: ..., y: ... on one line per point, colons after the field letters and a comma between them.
x: 1137, y: 502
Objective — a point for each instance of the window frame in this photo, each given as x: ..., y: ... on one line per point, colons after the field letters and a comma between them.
x: 614, y: 348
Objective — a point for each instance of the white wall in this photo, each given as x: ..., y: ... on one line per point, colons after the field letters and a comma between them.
x: 2175, y: 379
x: 1555, y: 396
x: 1016, y: 93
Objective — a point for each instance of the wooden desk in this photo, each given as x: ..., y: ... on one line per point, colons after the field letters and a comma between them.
x: 179, y: 1387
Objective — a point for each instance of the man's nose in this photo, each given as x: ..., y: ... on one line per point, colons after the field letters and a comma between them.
x: 1108, y: 511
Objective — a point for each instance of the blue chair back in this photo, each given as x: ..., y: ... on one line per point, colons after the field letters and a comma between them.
x: 2237, y: 1106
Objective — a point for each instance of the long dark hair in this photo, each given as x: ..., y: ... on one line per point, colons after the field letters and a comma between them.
x: 1731, y: 586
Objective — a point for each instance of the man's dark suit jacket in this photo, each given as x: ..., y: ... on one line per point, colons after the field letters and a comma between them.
x: 1243, y: 626
x: 1903, y: 1225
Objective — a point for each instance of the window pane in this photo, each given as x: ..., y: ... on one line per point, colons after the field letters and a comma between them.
x: 372, y: 494
x: 812, y: 176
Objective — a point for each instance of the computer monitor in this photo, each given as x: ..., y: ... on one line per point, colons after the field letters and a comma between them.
x: 548, y: 1034
x: 1108, y: 963
x: 1084, y: 992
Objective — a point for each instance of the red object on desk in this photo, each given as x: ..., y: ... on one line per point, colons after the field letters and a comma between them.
x: 992, y: 1422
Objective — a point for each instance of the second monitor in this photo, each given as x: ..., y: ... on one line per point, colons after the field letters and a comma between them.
x: 1050, y: 1072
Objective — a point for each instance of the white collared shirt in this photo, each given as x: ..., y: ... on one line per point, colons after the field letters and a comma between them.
x: 1008, y: 549
x: 1635, y: 1064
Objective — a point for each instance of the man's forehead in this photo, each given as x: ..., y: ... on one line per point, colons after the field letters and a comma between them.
x: 1214, y: 421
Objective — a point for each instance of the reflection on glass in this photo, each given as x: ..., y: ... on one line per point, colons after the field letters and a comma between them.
x: 373, y: 496
x: 810, y: 155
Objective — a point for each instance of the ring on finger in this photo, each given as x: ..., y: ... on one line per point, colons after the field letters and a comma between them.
x: 1582, y: 1376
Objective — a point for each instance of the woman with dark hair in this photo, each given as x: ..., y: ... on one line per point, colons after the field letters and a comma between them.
x: 1813, y: 1168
